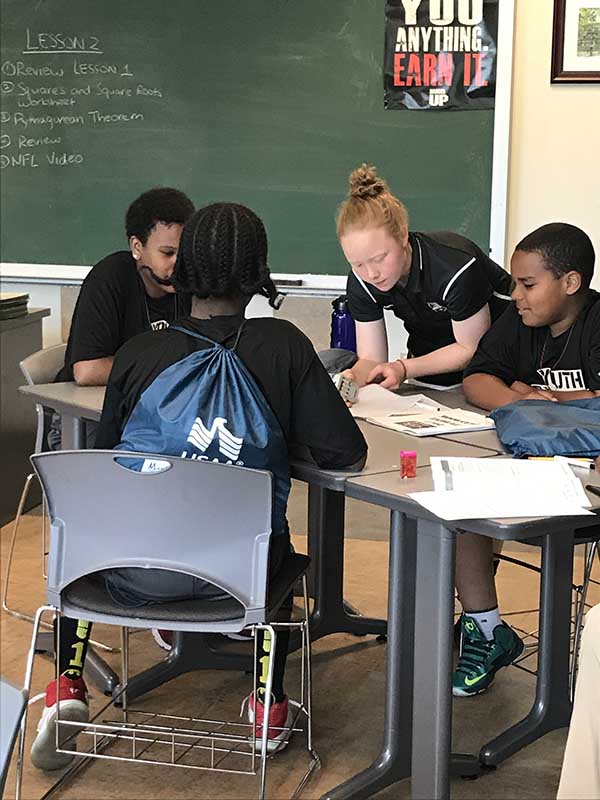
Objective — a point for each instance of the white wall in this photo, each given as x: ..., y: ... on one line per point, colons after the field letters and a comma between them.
x: 554, y: 173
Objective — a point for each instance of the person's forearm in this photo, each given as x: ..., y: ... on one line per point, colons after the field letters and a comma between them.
x: 361, y: 369
x: 94, y: 372
x: 451, y: 358
x: 584, y: 394
x: 488, y: 391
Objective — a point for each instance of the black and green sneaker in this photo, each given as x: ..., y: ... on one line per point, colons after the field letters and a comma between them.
x: 481, y: 659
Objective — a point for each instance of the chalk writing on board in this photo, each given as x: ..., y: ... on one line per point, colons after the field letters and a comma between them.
x: 61, y: 84
x: 44, y: 43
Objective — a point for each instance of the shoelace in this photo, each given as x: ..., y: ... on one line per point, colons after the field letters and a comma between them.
x: 473, y: 655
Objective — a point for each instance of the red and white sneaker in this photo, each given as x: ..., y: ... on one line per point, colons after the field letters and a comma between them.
x: 281, y: 717
x: 163, y: 639
x: 72, y: 696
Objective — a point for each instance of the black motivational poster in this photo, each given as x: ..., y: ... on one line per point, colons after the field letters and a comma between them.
x: 440, y: 54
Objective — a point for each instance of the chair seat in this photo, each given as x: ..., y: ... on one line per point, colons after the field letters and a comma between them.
x: 90, y: 594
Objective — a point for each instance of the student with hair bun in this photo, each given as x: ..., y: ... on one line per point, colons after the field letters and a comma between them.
x: 444, y: 288
x: 447, y: 292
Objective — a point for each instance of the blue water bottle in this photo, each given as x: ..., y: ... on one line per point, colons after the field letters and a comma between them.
x: 343, y: 330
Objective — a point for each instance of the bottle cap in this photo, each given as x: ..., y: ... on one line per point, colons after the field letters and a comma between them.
x: 408, y: 454
x: 340, y: 303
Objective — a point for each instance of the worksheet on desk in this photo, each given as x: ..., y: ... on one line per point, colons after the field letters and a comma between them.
x: 375, y: 401
x: 497, y: 488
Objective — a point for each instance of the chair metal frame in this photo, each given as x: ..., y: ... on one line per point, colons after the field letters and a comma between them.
x: 40, y: 367
x: 14, y: 705
x: 181, y: 738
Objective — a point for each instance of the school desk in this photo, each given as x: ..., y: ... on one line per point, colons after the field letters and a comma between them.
x: 418, y: 695
x: 417, y: 539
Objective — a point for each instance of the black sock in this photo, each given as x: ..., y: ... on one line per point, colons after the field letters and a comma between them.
x: 74, y: 638
x: 263, y: 655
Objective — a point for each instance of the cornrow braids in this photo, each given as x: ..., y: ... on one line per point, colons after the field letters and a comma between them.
x: 370, y: 204
x: 223, y: 253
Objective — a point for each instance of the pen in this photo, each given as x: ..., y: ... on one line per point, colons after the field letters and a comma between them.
x: 593, y: 489
x: 582, y: 463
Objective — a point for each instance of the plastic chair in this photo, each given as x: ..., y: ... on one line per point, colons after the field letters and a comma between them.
x: 40, y: 367
x: 13, y: 702
x: 209, y: 520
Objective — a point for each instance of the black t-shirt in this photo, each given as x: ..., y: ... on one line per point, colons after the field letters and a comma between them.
x: 513, y: 351
x: 112, y: 307
x: 314, y: 419
x: 450, y: 279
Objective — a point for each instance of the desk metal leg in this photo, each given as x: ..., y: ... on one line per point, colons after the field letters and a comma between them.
x: 552, y: 706
x: 326, y: 581
x: 193, y: 651
x: 393, y: 762
x: 72, y: 432
x: 432, y: 698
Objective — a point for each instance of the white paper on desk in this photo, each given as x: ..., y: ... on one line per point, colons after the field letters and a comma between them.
x: 437, y: 386
x: 471, y: 488
x: 467, y: 505
x: 508, y: 477
x: 375, y: 401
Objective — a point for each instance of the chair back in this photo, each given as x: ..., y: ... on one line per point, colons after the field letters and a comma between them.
x: 42, y: 367
x: 13, y: 702
x: 210, y: 520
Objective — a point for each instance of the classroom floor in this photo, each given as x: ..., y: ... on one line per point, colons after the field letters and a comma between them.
x: 348, y: 689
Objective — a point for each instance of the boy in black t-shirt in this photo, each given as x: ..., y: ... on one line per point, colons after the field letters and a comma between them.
x: 545, y: 346
x: 129, y: 292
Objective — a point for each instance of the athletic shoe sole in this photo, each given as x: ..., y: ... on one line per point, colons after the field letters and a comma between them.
x: 43, y: 751
x: 458, y: 692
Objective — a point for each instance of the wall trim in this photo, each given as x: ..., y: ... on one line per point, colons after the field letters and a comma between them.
x: 73, y: 275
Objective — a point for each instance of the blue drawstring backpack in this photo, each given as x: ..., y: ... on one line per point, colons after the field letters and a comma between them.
x: 542, y: 428
x: 208, y: 407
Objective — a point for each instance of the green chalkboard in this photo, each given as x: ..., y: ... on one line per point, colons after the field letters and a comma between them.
x: 265, y: 102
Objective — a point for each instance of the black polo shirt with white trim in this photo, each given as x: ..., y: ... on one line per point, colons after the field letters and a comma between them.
x: 570, y: 362
x: 450, y: 279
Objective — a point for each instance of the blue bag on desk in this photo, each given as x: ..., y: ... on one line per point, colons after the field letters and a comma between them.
x: 542, y: 428
x: 207, y: 406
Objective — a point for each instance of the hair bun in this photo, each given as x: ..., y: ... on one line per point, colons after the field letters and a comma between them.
x: 365, y: 182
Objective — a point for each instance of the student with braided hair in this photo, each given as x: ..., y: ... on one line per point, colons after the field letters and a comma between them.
x: 222, y: 263
x: 441, y: 285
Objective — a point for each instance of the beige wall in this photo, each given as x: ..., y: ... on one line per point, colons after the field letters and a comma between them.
x: 554, y: 172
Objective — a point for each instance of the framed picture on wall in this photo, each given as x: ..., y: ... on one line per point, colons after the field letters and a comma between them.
x: 576, y: 42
